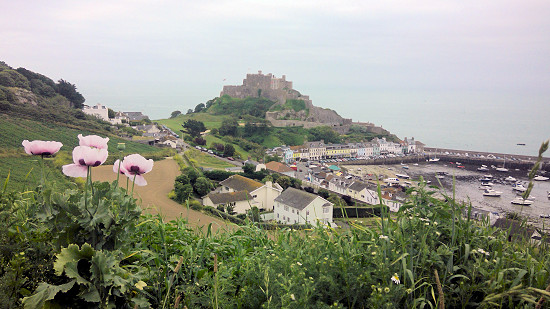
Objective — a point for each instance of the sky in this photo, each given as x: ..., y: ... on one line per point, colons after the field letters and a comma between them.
x: 368, y: 60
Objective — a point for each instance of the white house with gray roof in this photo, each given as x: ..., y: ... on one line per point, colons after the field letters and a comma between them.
x: 295, y: 206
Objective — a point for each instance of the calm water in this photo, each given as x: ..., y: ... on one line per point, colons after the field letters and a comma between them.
x: 470, y: 123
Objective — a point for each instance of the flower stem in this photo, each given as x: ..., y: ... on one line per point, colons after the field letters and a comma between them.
x: 133, y: 184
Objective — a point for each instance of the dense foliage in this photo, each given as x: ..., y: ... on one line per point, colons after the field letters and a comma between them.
x: 102, y: 254
x: 227, y: 105
x: 38, y: 84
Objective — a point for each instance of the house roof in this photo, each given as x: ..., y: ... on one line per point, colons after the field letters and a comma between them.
x: 278, y: 167
x: 357, y: 186
x: 295, y: 198
x: 223, y: 198
x: 240, y: 183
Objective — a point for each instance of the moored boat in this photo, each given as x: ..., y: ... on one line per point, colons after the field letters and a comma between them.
x: 519, y: 187
x: 510, y: 178
x: 483, y: 168
x: 521, y: 201
x: 491, y: 192
x: 540, y: 178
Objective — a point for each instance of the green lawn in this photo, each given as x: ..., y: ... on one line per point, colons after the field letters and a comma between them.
x: 201, y: 159
x: 210, y: 121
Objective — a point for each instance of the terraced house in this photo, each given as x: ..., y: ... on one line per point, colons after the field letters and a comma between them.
x: 295, y: 206
x: 242, y: 193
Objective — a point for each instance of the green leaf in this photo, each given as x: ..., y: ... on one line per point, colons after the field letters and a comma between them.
x: 45, y: 292
x: 67, y: 261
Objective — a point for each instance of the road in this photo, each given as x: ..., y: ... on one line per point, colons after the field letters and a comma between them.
x: 153, y: 198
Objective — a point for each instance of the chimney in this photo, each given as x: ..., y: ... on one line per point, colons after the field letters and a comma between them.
x: 269, y: 184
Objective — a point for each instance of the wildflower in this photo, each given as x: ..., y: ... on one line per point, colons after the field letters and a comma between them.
x: 373, y: 253
x: 292, y: 297
x: 116, y: 166
x: 135, y: 166
x: 140, y: 285
x: 395, y: 279
x: 435, y: 222
x: 483, y: 252
x: 427, y: 223
x: 383, y: 237
x: 326, y: 258
x: 41, y: 148
x: 93, y: 141
x: 299, y: 264
x: 84, y: 156
x: 386, y: 289
x: 409, y: 291
x: 437, y: 233
x: 379, y: 290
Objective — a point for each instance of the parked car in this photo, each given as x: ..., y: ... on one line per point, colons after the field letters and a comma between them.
x: 230, y: 159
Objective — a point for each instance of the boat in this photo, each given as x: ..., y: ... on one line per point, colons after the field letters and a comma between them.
x: 540, y: 178
x: 439, y: 176
x: 485, y: 187
x: 415, y: 164
x: 405, y: 167
x: 485, y: 179
x: 519, y: 187
x: 402, y: 176
x: 491, y: 192
x: 521, y: 201
x: 502, y: 169
x: 547, y: 216
x: 391, y: 180
x: 433, y: 160
x: 510, y: 178
x: 520, y: 144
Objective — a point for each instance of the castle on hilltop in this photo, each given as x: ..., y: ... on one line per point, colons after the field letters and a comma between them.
x: 268, y: 86
x: 280, y: 90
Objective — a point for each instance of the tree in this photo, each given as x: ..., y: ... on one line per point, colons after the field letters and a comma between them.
x: 189, y: 111
x: 229, y: 127
x: 193, y: 127
x: 192, y: 174
x: 200, y: 141
x: 324, y: 133
x: 175, y: 114
x: 202, y: 186
x: 214, y: 131
x: 274, y: 157
x: 228, y: 150
x: 323, y: 193
x: 111, y: 113
x: 183, y: 179
x: 68, y: 90
x: 284, y: 182
x: 199, y: 107
x: 254, y: 214
x: 249, y: 168
x: 183, y: 191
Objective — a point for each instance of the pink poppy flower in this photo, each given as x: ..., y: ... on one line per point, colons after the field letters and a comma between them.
x: 135, y: 165
x: 84, y: 156
x: 122, y: 169
x: 41, y: 148
x: 93, y: 141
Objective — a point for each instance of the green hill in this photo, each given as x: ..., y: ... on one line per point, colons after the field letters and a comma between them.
x: 34, y: 107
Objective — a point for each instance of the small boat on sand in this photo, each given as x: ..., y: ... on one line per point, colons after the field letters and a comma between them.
x: 491, y: 192
x: 510, y: 178
x: 540, y: 178
x: 519, y: 187
x: 521, y: 201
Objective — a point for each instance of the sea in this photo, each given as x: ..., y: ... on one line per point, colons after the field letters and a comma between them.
x: 470, y: 123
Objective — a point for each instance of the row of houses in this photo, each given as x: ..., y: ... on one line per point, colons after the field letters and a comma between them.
x: 238, y: 194
x: 335, y: 181
x: 319, y: 150
x: 102, y: 112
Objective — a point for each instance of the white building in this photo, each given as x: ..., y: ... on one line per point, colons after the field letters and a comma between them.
x: 241, y: 201
x: 262, y: 194
x: 294, y: 206
x: 100, y: 111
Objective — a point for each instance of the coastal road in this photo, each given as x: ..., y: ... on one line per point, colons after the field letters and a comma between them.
x: 153, y: 197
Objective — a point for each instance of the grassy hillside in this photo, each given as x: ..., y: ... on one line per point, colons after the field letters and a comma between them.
x: 16, y: 162
x: 209, y: 120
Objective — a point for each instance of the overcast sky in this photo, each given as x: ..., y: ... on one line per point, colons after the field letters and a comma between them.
x: 160, y: 56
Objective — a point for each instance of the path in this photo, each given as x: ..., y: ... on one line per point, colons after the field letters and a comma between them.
x: 154, y: 196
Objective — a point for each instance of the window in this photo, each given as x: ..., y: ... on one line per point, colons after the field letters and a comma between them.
x: 307, y: 212
x: 292, y: 210
x: 277, y: 216
x: 286, y: 208
x: 254, y: 196
x: 325, y: 210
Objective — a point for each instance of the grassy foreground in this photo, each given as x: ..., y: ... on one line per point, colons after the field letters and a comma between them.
x: 77, y: 249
